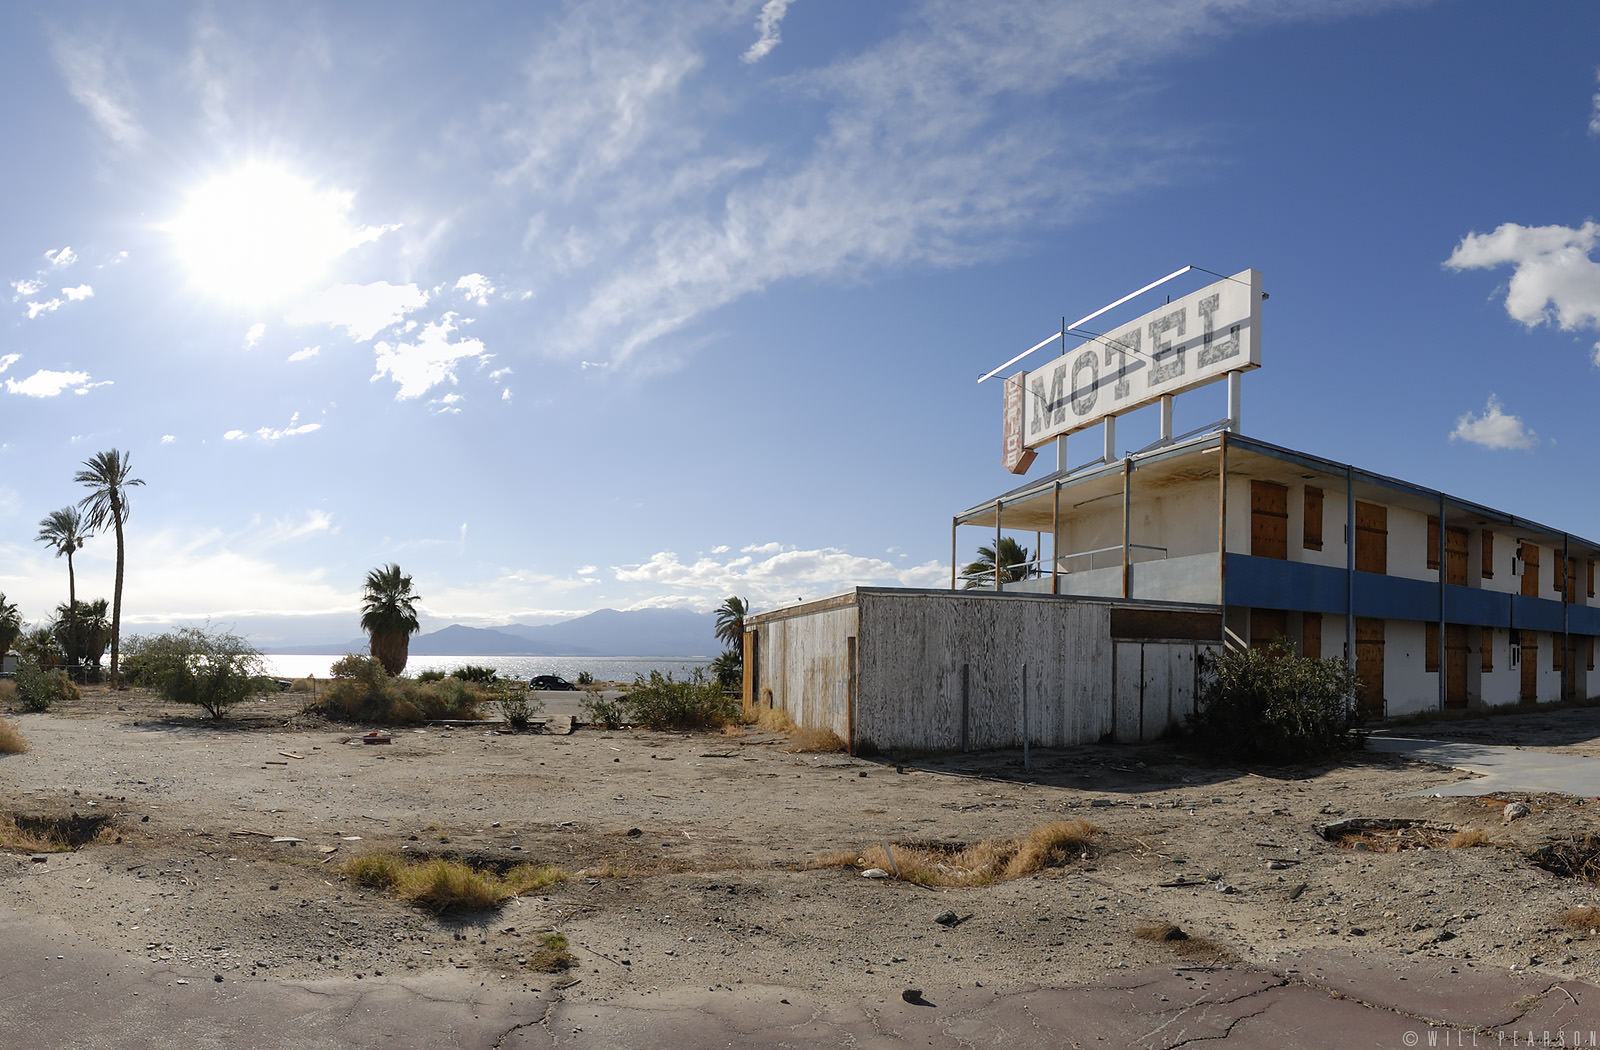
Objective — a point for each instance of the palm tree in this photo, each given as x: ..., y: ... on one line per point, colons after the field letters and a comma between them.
x: 10, y: 624
x: 389, y: 616
x: 106, y: 474
x: 62, y: 531
x: 730, y: 623
x: 1013, y: 561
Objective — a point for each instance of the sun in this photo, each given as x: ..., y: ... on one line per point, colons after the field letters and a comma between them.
x: 259, y: 233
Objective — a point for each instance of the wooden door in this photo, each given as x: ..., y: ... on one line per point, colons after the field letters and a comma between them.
x: 1269, y: 520
x: 1455, y: 556
x: 1369, y: 666
x: 1530, y: 666
x: 1311, y: 636
x: 1372, y: 538
x: 1530, y: 572
x: 1455, y: 664
x: 1266, y: 626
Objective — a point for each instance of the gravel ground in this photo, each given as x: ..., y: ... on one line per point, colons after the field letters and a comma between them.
x: 693, y: 858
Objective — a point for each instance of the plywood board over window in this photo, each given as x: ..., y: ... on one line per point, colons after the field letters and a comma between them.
x: 1433, y: 542
x: 1529, y: 656
x: 1430, y: 645
x: 1312, y: 539
x: 1269, y: 520
x: 1455, y: 665
x: 1529, y: 553
x: 1488, y: 555
x: 1372, y: 538
x: 1486, y: 645
x: 1455, y: 556
x: 1311, y: 636
x: 1267, y: 626
x: 1369, y: 666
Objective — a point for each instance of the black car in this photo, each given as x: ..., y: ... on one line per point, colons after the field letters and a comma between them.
x: 549, y: 681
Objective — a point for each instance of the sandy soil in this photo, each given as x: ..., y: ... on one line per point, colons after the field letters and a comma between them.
x: 692, y: 855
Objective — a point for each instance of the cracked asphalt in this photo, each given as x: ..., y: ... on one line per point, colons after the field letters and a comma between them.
x: 1331, y: 998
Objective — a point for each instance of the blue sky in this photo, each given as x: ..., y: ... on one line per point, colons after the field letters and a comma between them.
x: 564, y: 307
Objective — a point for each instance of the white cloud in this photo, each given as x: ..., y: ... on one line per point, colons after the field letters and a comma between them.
x: 767, y: 24
x: 721, y: 548
x: 99, y: 86
x: 477, y: 286
x: 61, y: 257
x: 233, y: 435
x: 7, y: 360
x: 254, y: 334
x: 314, y: 522
x: 1594, y: 113
x: 167, y: 439
x: 362, y: 310
x: 1553, y: 279
x: 49, y: 306
x: 431, y: 359
x: 79, y: 293
x: 587, y: 570
x: 772, y: 573
x: 45, y: 383
x: 500, y: 373
x: 305, y: 355
x: 446, y: 405
x: 270, y: 434
x: 1494, y: 428
x: 26, y: 287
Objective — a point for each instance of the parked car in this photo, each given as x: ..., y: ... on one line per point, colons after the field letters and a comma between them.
x: 549, y: 681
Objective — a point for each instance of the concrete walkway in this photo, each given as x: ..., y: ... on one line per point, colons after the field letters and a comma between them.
x: 60, y: 991
x: 1500, y: 768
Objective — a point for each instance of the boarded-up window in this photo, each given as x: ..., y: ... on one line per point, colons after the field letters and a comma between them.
x: 1313, y: 519
x: 1430, y: 645
x: 1488, y: 555
x: 1557, y: 652
x: 1311, y: 636
x: 1487, y: 648
x: 1558, y: 571
x: 1267, y: 626
x: 1269, y: 520
x: 1433, y: 542
x: 1455, y: 556
x: 1369, y: 666
x: 1529, y: 553
x: 1372, y: 538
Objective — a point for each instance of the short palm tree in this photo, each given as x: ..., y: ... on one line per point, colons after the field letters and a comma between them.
x: 730, y: 623
x: 106, y: 474
x: 1013, y: 560
x: 389, y: 616
x: 10, y: 624
x: 63, y: 532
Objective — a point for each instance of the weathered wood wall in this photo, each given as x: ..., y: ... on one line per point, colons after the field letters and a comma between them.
x: 942, y: 670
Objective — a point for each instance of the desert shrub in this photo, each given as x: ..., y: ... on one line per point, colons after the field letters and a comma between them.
x: 354, y: 665
x: 12, y: 742
x: 662, y: 702
x: 447, y: 885
x: 378, y: 871
x: 38, y: 689
x: 367, y: 693
x: 475, y: 673
x: 1267, y: 704
x: 431, y: 676
x: 585, y: 678
x: 598, y: 711
x: 213, y: 670
x: 518, y: 710
x: 8, y: 692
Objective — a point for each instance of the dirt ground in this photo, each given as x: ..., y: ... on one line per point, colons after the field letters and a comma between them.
x: 692, y: 857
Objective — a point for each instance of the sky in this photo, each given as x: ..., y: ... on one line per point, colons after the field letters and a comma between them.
x: 563, y: 307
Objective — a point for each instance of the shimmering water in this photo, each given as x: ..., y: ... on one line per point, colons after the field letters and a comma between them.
x: 604, y: 668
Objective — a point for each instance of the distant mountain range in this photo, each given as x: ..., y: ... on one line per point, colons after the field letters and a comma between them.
x: 607, y: 632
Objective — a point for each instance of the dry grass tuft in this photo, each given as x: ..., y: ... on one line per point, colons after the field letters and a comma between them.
x: 43, y: 834
x: 1469, y: 837
x: 527, y: 878
x: 303, y: 685
x: 29, y: 840
x: 552, y: 955
x: 1051, y: 845
x: 447, y: 885
x: 376, y: 870
x: 768, y: 720
x: 1585, y: 919
x: 810, y: 740
x: 12, y: 742
x: 8, y: 692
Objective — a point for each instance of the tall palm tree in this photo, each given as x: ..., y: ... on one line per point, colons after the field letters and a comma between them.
x: 10, y: 624
x: 1013, y: 560
x: 62, y: 531
x: 389, y: 616
x: 106, y: 474
x: 730, y: 623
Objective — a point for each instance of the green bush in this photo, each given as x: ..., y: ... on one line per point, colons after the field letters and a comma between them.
x: 431, y: 676
x: 213, y: 670
x: 598, y: 711
x: 519, y: 710
x: 354, y: 665
x: 1267, y: 704
x: 661, y: 702
x: 728, y: 670
x: 585, y: 678
x: 474, y: 673
x: 362, y: 691
x: 39, y: 689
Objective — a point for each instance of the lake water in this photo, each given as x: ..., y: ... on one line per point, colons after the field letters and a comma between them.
x: 604, y: 668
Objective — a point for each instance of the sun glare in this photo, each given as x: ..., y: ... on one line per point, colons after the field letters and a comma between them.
x: 259, y: 233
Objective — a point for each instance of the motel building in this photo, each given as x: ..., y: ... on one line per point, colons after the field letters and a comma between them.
x: 1143, y: 561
